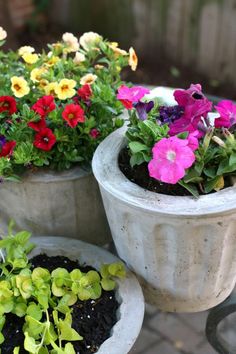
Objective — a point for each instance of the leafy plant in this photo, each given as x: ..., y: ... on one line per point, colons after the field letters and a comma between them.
x: 44, y: 299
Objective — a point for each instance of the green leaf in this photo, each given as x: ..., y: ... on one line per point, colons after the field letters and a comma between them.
x: 1, y: 338
x: 67, y: 332
x: 108, y: 284
x: 232, y: 159
x: 69, y: 349
x: 16, y: 350
x: 215, y: 183
x: 30, y: 344
x: 190, y: 187
x: 136, y: 146
x: 34, y: 310
x: 117, y: 270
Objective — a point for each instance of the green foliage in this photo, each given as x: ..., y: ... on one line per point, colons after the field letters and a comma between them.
x: 35, y: 294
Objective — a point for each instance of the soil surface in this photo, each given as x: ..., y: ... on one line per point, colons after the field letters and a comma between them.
x: 92, y: 319
x: 139, y: 175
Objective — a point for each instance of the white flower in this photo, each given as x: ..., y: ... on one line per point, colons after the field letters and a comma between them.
x: 71, y: 41
x: 3, y: 34
x: 79, y: 58
x: 25, y: 50
x: 88, y: 79
x: 89, y: 40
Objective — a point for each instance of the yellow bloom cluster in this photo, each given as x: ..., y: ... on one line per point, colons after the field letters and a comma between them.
x: 19, y: 86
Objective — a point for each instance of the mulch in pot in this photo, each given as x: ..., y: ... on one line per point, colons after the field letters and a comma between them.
x: 92, y: 319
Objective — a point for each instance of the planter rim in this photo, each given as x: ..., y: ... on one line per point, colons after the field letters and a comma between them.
x: 47, y: 175
x: 108, y: 174
x: 129, y: 293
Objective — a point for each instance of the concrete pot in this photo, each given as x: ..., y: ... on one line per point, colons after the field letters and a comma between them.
x: 52, y: 203
x: 129, y: 293
x: 182, y: 249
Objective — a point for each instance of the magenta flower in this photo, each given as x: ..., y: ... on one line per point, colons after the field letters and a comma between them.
x: 227, y: 110
x: 193, y: 114
x: 189, y: 96
x: 193, y: 140
x: 130, y: 95
x: 171, y: 156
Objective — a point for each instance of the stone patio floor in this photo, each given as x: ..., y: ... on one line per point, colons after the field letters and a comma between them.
x: 166, y: 333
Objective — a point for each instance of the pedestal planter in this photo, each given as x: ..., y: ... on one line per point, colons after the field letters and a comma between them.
x: 183, y: 249
x: 52, y: 203
x: 129, y: 294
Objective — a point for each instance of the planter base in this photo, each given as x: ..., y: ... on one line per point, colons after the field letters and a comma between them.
x: 168, y: 303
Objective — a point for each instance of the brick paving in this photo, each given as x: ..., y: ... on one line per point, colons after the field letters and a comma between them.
x: 164, y: 333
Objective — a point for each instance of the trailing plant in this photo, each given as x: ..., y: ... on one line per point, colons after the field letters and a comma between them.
x: 44, y: 299
x: 57, y: 106
x: 182, y: 144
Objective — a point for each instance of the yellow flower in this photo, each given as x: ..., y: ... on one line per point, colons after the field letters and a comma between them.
x: 88, y: 79
x: 3, y: 34
x: 71, y: 42
x: 116, y: 50
x: 43, y: 83
x: 50, y: 88
x: 30, y: 58
x: 79, y: 58
x: 36, y: 74
x: 52, y: 61
x: 90, y: 40
x: 25, y: 50
x: 133, y: 59
x: 65, y: 89
x: 19, y: 86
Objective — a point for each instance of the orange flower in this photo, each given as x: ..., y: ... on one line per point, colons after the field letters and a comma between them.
x: 133, y: 59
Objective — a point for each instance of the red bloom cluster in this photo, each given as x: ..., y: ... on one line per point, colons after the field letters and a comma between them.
x: 94, y: 133
x: 8, y: 103
x: 44, y: 139
x: 73, y: 114
x: 7, y: 149
x: 85, y: 92
x: 44, y: 105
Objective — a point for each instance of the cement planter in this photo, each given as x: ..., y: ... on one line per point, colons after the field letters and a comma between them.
x: 61, y: 204
x: 182, y: 249
x: 129, y: 293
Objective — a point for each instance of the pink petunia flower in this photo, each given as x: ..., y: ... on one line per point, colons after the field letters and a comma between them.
x: 189, y: 96
x: 193, y: 140
x: 130, y: 95
x: 171, y: 156
x: 227, y: 110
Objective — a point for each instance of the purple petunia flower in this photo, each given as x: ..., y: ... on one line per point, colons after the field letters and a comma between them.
x: 170, y: 114
x: 143, y: 108
x: 2, y: 140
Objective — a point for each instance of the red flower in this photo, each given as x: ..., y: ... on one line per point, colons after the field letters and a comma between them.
x: 44, y: 105
x: 37, y: 126
x: 94, y: 133
x: 7, y: 148
x: 44, y: 139
x: 73, y: 114
x: 85, y: 92
x: 8, y: 103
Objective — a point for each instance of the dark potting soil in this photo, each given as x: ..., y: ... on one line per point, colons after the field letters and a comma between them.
x: 139, y: 175
x: 92, y: 319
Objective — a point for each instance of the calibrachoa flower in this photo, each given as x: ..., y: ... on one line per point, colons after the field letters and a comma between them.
x: 88, y: 79
x: 171, y: 156
x: 7, y: 149
x: 227, y: 111
x: 90, y: 40
x: 36, y: 74
x: 85, y: 92
x: 25, y: 49
x: 30, y: 58
x: 65, y: 89
x: 71, y: 42
x: 44, y: 139
x: 44, y: 105
x: 8, y: 103
x: 3, y: 34
x: 79, y: 58
x: 94, y: 133
x: 128, y: 96
x: 50, y: 88
x: 37, y: 126
x: 133, y: 59
x: 73, y: 114
x: 19, y: 86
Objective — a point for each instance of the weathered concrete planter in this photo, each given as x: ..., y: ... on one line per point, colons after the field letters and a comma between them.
x: 182, y: 249
x: 129, y: 293
x: 52, y: 203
